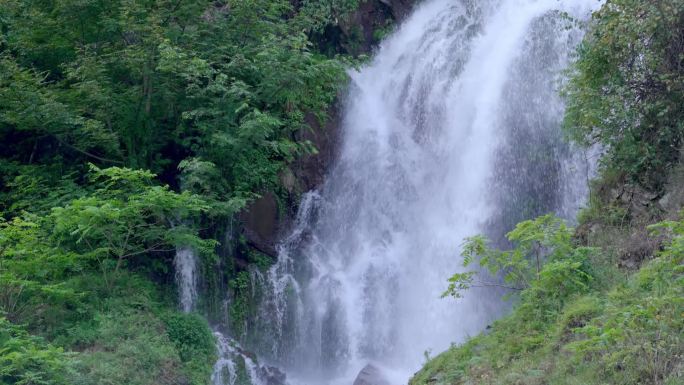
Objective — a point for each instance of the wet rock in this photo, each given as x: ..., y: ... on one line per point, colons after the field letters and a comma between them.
x: 665, y: 201
x: 673, y: 199
x: 309, y: 171
x: 271, y: 375
x: 638, y: 247
x: 261, y: 221
x: 436, y: 379
x: 400, y: 8
x: 370, y: 375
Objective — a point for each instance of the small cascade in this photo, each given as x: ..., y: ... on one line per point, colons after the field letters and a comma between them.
x: 224, y: 372
x: 185, y: 263
x: 282, y: 307
x: 233, y: 366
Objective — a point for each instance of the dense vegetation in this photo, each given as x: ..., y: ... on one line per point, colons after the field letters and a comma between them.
x: 602, y: 303
x: 127, y: 129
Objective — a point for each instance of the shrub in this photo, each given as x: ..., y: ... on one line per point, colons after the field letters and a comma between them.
x: 29, y: 360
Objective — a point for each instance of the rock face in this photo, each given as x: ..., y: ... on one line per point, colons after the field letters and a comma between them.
x: 400, y: 8
x: 631, y: 204
x: 309, y: 171
x: 372, y: 16
x: 261, y: 220
x: 370, y: 375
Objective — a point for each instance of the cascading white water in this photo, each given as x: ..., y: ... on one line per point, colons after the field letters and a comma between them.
x: 226, y: 369
x: 224, y: 372
x: 451, y: 131
x: 185, y: 264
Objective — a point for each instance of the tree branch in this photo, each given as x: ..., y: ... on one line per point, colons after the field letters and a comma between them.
x: 491, y: 284
x: 86, y: 153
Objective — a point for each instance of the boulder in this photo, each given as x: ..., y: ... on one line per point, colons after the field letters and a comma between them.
x: 371, y: 375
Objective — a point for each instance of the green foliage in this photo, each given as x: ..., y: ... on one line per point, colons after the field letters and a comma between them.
x: 63, y: 274
x: 31, y: 109
x: 159, y: 84
x: 240, y: 307
x: 242, y: 129
x: 127, y: 216
x: 31, y: 269
x: 127, y: 332
x: 627, y: 89
x: 130, y: 349
x: 29, y: 360
x: 36, y: 189
x: 191, y: 335
x: 314, y: 15
x: 544, y: 263
x: 259, y: 259
x: 383, y: 31
x: 641, y: 327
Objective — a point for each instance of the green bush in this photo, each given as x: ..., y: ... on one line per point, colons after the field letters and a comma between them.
x: 129, y: 333
x: 544, y: 265
x: 626, y: 90
x: 191, y: 335
x: 29, y: 360
x: 194, y: 341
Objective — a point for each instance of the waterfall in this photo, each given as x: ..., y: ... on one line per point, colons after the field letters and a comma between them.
x: 452, y: 130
